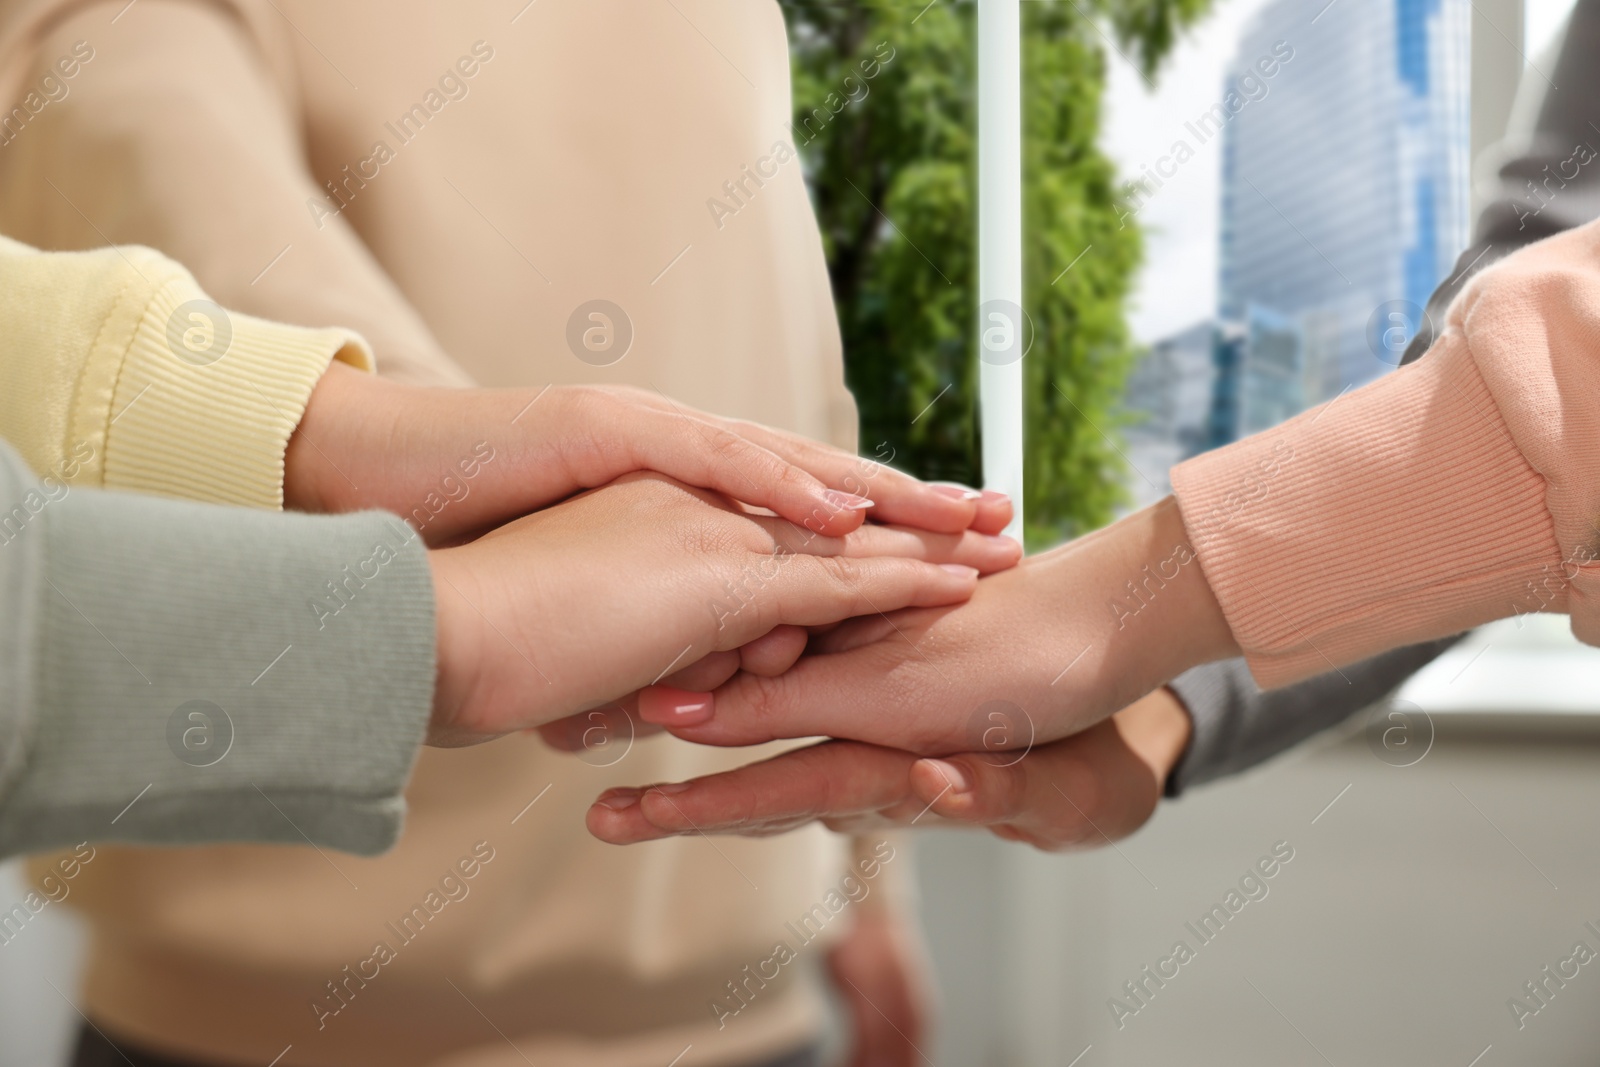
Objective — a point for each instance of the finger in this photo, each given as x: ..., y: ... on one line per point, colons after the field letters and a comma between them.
x: 770, y: 654
x: 701, y: 453
x: 986, y: 552
x: 664, y: 705
x: 816, y: 590
x: 993, y: 513
x: 685, y: 696
x: 1081, y: 791
x: 899, y: 498
x: 707, y: 673
x: 985, y: 789
x: 834, y: 779
x: 803, y: 590
x: 822, y: 696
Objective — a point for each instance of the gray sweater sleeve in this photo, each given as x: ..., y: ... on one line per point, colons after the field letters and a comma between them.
x: 1548, y: 180
x: 174, y: 672
x: 1237, y: 725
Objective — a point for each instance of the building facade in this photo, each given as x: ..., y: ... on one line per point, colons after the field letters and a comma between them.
x: 1169, y: 397
x: 1344, y: 196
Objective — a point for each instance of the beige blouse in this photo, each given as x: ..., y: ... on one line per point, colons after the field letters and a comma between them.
x: 458, y: 182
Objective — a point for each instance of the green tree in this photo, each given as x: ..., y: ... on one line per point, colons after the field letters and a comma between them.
x: 885, y: 104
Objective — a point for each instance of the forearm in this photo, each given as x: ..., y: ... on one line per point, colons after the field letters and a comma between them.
x: 183, y: 673
x: 1140, y: 607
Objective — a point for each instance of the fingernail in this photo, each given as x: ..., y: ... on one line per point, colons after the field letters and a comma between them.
x: 959, y: 782
x: 620, y: 800
x: 1002, y: 541
x: 955, y: 492
x: 663, y: 705
x: 961, y: 569
x: 991, y: 496
x: 846, y: 501
x: 671, y: 789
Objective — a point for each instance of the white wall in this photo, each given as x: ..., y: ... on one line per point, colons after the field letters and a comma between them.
x: 36, y: 1021
x: 1414, y: 908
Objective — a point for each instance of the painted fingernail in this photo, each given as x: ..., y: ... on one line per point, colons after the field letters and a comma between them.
x: 960, y: 569
x: 955, y: 776
x: 846, y: 501
x: 620, y: 799
x: 665, y: 706
x: 992, y: 496
x: 955, y: 492
x: 671, y: 789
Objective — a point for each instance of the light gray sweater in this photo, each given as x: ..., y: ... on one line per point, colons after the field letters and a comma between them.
x: 180, y: 672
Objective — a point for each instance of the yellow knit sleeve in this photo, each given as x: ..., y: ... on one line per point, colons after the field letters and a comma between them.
x: 117, y: 371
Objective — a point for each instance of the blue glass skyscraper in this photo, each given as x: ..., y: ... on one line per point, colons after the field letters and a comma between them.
x: 1344, y: 196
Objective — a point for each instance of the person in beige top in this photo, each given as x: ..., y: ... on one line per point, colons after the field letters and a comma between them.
x: 467, y: 179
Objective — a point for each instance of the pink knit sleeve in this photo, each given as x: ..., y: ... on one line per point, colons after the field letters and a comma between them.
x: 1461, y: 489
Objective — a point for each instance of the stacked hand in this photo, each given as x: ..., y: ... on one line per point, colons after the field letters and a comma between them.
x: 1080, y: 792
x: 738, y: 595
x: 582, y: 603
x: 1015, y: 688
x: 605, y: 579
x: 590, y: 543
x: 457, y: 462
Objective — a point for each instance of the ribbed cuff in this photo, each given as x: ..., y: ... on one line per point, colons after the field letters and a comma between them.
x: 205, y: 399
x: 222, y: 674
x: 1397, y: 513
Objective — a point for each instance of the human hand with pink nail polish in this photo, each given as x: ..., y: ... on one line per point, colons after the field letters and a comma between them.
x: 1059, y: 641
x: 1021, y: 679
x: 455, y: 462
x: 648, y: 580
x: 1083, y: 791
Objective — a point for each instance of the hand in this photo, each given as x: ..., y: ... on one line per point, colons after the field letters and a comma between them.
x: 881, y: 971
x: 454, y: 462
x: 1080, y: 792
x: 578, y: 604
x: 1055, y: 645
x: 771, y: 654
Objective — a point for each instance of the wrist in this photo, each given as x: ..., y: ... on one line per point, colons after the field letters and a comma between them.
x: 321, y: 466
x: 1164, y: 617
x: 1191, y: 624
x: 1138, y: 606
x: 453, y: 645
x: 1157, y: 729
